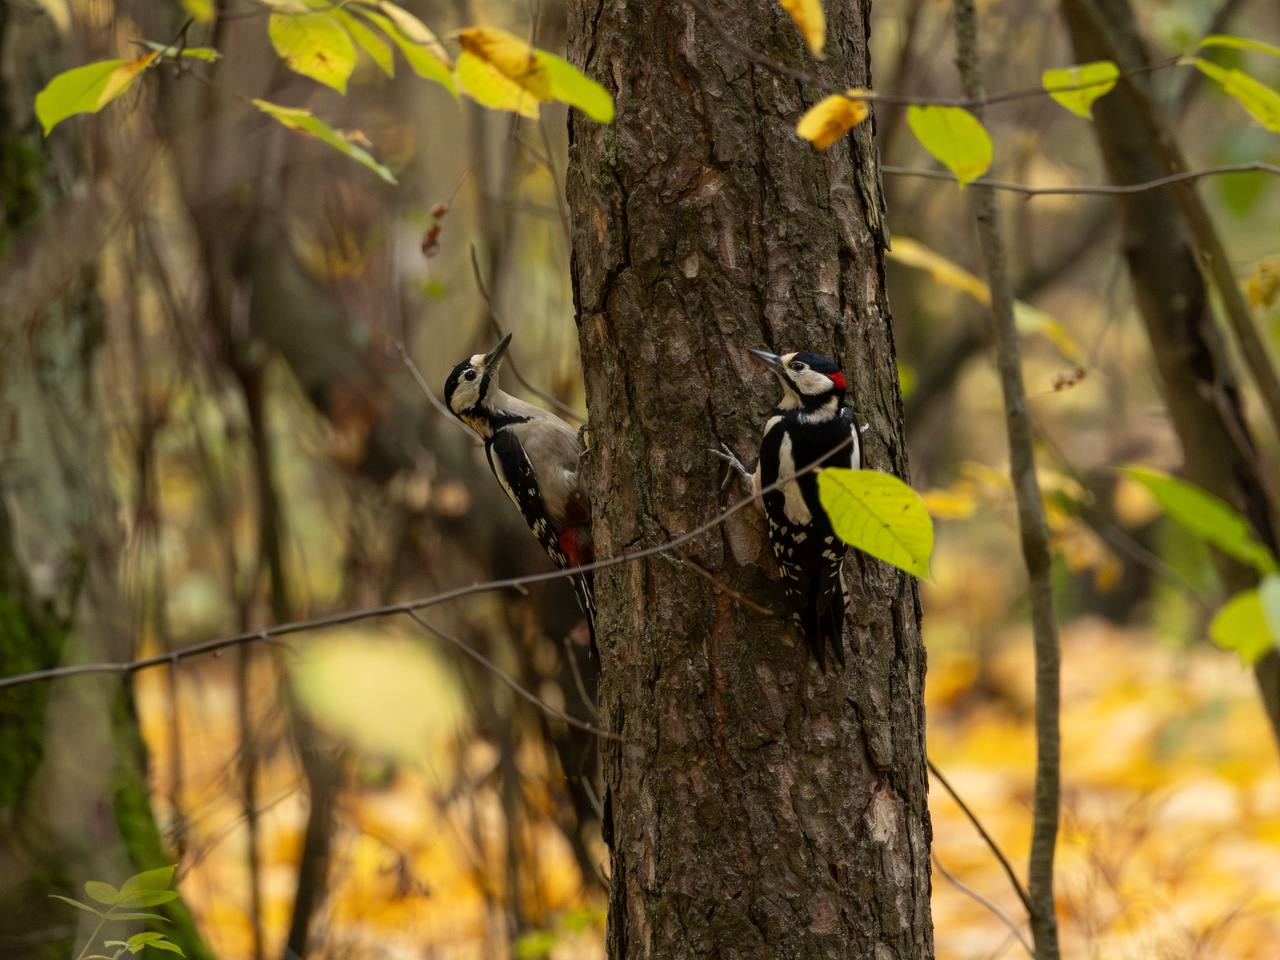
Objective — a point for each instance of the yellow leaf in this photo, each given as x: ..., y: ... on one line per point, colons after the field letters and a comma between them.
x: 302, y: 121
x: 957, y: 502
x: 1262, y: 286
x: 809, y: 17
x: 489, y: 87
x: 368, y: 41
x: 315, y: 45
x: 122, y: 76
x: 831, y: 118
x: 502, y: 72
x: 1076, y: 88
x: 880, y: 515
x: 86, y: 89
x: 420, y: 47
x: 1029, y: 319
x: 1259, y: 101
x: 510, y: 56
x: 954, y: 136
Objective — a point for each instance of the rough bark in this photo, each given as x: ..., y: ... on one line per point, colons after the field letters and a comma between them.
x: 1197, y: 377
x: 755, y: 808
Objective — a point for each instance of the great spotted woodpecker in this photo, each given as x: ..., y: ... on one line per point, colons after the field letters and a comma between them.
x: 809, y: 425
x: 534, y: 456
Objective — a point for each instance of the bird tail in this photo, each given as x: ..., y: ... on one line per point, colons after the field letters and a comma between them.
x: 584, y: 590
x: 822, y: 623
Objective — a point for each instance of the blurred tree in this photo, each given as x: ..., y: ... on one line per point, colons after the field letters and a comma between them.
x: 74, y: 804
x: 754, y: 806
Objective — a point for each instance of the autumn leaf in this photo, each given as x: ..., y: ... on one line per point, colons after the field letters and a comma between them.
x: 832, y: 117
x: 502, y: 72
x: 954, y: 136
x: 315, y: 45
x: 87, y: 89
x: 812, y: 21
x: 1076, y: 88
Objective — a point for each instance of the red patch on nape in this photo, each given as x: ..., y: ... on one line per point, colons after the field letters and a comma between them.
x: 838, y: 379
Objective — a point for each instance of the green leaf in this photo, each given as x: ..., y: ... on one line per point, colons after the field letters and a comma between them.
x: 303, y: 122
x: 1259, y: 101
x: 86, y: 89
x: 1241, y: 625
x: 167, y: 945
x: 147, y: 898
x: 1206, y: 516
x: 314, y: 45
x: 379, y: 50
x: 1086, y: 82
x: 158, y: 879
x: 570, y: 85
x: 1239, y: 43
x: 421, y: 49
x: 103, y: 893
x: 149, y: 938
x: 954, y: 136
x: 880, y: 515
x: 77, y: 903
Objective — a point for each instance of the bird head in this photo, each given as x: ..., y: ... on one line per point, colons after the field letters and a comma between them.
x: 809, y: 380
x: 474, y: 381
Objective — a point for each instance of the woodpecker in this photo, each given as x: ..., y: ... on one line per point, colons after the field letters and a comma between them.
x: 810, y: 424
x: 534, y: 456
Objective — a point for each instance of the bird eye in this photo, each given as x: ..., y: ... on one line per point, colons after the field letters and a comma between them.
x: 470, y: 375
x: 797, y: 365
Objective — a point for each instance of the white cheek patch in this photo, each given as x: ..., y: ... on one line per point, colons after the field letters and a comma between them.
x: 812, y: 383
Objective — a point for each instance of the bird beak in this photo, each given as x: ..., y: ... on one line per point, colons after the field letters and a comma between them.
x: 494, y: 356
x: 764, y: 356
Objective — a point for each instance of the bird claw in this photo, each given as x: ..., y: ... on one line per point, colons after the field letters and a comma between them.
x: 731, y: 458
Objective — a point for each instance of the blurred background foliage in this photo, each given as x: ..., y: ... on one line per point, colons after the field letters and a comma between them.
x: 208, y: 426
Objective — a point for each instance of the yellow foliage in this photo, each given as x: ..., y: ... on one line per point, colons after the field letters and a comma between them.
x: 812, y: 21
x: 831, y: 118
x: 1262, y: 286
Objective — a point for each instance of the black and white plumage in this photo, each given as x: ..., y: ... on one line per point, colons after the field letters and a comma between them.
x: 534, y: 457
x: 809, y: 425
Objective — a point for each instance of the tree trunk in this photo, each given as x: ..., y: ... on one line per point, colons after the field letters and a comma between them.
x: 755, y: 807
x: 1197, y: 377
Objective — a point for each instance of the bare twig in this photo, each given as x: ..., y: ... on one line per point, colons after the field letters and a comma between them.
x: 1091, y: 189
x: 990, y: 905
x: 396, y: 609
x: 982, y: 832
x: 1031, y: 523
x: 506, y: 678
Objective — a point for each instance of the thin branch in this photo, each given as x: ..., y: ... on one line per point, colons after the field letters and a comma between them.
x: 506, y: 678
x: 562, y: 407
x: 426, y: 388
x: 682, y: 559
x: 982, y: 832
x: 990, y: 905
x: 578, y: 682
x: 1032, y: 527
x: 1099, y: 189
x: 397, y: 609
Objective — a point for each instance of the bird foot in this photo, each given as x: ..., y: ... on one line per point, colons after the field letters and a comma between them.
x: 726, y: 454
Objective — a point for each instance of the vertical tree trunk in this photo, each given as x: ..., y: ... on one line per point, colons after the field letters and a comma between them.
x: 755, y: 807
x: 1197, y: 376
